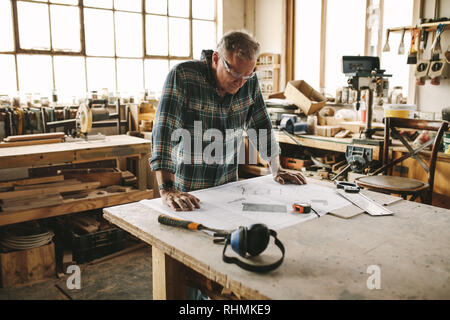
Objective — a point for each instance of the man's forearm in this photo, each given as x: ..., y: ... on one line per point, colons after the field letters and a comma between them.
x: 164, y: 178
x: 275, y: 165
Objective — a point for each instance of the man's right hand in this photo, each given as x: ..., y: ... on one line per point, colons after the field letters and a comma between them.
x: 179, y: 201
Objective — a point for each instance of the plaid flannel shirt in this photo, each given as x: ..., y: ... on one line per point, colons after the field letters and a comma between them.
x: 190, y: 95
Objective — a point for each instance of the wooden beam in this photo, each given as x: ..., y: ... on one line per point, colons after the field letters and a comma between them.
x: 290, y: 40
x: 323, y: 40
x: 169, y: 277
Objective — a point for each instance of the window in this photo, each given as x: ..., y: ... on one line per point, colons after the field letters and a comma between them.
x: 393, y: 62
x: 307, y: 42
x: 352, y: 27
x: 125, y: 46
x: 344, y: 37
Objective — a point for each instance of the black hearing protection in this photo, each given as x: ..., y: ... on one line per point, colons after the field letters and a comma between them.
x: 253, y: 240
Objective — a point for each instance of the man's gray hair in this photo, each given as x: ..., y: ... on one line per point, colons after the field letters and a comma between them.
x: 239, y: 42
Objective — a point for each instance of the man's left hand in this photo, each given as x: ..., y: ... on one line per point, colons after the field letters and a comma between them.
x: 285, y: 177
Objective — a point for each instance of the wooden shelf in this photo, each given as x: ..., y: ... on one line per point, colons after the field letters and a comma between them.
x: 429, y: 26
x: 268, y: 69
x: 93, y: 201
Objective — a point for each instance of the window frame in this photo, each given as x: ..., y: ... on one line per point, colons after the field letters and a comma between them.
x: 17, y: 50
x: 290, y: 31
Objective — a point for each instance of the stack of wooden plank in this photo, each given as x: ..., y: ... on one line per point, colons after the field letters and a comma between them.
x: 32, y: 139
x: 40, y: 192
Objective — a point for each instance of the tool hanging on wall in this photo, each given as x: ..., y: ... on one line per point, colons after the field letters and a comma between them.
x: 386, y: 47
x: 401, y: 47
x: 412, y: 56
x: 436, y: 46
x: 438, y: 67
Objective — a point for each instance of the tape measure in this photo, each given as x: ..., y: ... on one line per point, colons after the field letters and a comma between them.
x: 302, y: 207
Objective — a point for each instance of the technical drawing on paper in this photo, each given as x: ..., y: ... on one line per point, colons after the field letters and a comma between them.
x: 223, y: 207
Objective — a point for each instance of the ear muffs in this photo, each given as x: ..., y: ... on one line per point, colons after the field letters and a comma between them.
x: 258, y: 236
x: 238, y: 240
x: 252, y: 240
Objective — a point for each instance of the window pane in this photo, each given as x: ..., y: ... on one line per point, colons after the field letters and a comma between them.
x: 345, y: 36
x: 6, y: 35
x: 179, y: 8
x: 307, y: 31
x: 34, y: 35
x: 128, y: 34
x: 65, y: 1
x: 203, y: 9
x: 99, y: 32
x: 100, y: 74
x: 8, y: 77
x: 70, y: 79
x: 35, y: 74
x: 179, y: 37
x: 130, y: 76
x: 156, y: 35
x: 65, y: 28
x: 40, y: 0
x: 155, y: 75
x: 204, y: 33
x: 396, y: 15
x: 130, y: 5
x: 98, y: 3
x: 156, y: 6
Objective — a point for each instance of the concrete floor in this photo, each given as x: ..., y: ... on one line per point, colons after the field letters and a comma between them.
x: 124, y: 277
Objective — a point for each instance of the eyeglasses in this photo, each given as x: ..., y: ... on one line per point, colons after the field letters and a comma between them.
x: 234, y: 74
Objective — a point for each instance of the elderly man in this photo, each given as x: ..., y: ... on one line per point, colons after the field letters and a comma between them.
x: 219, y: 92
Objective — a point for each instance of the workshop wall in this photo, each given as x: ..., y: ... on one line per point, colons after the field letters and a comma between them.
x: 265, y: 19
x: 233, y: 13
x: 430, y: 97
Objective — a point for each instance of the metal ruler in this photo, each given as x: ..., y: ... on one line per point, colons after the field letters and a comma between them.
x: 371, y: 207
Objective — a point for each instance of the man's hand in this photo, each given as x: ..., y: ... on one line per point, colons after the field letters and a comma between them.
x: 285, y: 177
x: 179, y: 201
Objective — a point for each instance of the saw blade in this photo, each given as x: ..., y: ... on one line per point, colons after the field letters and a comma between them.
x: 84, y: 118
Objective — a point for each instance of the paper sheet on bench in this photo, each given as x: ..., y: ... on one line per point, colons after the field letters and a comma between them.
x: 222, y: 206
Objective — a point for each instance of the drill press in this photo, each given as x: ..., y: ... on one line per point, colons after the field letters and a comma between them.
x: 364, y: 73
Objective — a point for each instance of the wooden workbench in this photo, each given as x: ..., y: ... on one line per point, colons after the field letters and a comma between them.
x: 111, y: 147
x: 326, y: 258
x: 325, y: 143
x: 409, y: 168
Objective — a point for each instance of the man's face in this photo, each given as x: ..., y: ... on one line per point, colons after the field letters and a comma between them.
x: 232, y: 71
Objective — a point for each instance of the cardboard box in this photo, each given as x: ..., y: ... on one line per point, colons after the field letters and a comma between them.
x: 304, y: 96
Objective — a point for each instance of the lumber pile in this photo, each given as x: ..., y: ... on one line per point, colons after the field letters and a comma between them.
x: 40, y: 192
x: 70, y: 183
x: 32, y: 139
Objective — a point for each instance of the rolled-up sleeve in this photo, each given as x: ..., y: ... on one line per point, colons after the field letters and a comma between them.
x: 167, y: 119
x: 258, y: 119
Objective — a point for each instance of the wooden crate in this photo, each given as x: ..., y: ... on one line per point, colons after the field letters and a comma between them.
x: 25, y: 266
x: 295, y: 164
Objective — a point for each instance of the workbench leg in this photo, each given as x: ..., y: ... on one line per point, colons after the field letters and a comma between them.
x: 169, y: 279
x: 142, y: 171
